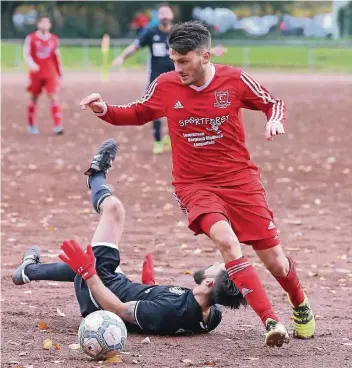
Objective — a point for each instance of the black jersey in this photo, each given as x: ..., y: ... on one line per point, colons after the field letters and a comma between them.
x: 156, y: 40
x: 160, y: 309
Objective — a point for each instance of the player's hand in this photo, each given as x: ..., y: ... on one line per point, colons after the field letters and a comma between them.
x: 35, y: 68
x: 273, y: 128
x: 218, y: 50
x: 118, y: 61
x: 83, y: 263
x: 94, y: 102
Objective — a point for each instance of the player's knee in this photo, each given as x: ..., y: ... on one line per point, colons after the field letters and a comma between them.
x: 277, y: 266
x: 33, y: 99
x: 226, y: 243
x: 52, y: 98
x: 114, y: 207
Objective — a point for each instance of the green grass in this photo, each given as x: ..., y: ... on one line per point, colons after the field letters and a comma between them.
x: 270, y: 57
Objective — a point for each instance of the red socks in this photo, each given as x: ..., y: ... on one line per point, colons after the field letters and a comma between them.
x: 30, y: 113
x: 291, y: 285
x: 148, y: 276
x: 56, y: 114
x: 242, y: 273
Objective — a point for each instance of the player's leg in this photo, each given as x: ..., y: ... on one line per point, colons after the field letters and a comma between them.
x: 32, y: 270
x: 253, y: 219
x: 52, y: 88
x: 34, y: 89
x: 207, y: 214
x: 158, y: 145
x: 243, y: 275
x: 283, y: 269
x: 112, y: 214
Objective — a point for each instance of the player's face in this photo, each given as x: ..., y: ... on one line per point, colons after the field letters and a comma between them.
x: 165, y: 15
x: 44, y: 25
x: 191, y: 66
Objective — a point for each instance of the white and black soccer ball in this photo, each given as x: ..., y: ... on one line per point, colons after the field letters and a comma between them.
x: 102, y: 334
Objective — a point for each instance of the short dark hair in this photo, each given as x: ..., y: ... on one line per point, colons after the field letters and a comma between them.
x: 224, y: 291
x: 42, y: 16
x: 189, y: 36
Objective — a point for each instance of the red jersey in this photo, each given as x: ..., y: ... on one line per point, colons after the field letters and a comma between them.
x: 43, y: 50
x: 205, y: 123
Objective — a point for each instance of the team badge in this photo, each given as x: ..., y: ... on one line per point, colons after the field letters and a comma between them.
x: 177, y: 290
x: 222, y: 99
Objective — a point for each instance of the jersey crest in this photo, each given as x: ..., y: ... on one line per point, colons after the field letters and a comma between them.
x: 222, y: 99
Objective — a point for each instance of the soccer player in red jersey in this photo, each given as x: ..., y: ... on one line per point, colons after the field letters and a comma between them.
x: 41, y: 54
x: 216, y: 183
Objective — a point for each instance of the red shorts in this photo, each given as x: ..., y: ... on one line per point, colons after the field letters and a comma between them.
x: 245, y: 207
x: 37, y: 83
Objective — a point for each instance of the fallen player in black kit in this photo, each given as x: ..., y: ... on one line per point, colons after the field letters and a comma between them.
x: 100, y: 283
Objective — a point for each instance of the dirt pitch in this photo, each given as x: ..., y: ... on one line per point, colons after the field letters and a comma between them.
x: 308, y: 177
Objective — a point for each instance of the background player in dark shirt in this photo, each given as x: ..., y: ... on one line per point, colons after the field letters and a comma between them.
x: 100, y: 283
x: 155, y: 39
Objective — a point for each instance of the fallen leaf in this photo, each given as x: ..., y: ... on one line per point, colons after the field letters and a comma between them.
x: 57, y: 346
x: 47, y: 344
x: 146, y: 341
x: 188, y: 273
x: 168, y: 206
x: 74, y: 346
x: 42, y: 326
x: 59, y: 313
x: 208, y: 363
x: 114, y: 359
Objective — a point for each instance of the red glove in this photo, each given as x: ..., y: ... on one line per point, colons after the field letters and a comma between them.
x: 148, y: 276
x: 83, y: 263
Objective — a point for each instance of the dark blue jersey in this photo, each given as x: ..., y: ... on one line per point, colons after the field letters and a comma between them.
x: 156, y: 41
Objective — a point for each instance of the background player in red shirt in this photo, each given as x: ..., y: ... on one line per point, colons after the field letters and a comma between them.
x: 41, y: 54
x: 215, y: 181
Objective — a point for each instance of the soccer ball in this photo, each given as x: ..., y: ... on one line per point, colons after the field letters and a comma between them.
x: 102, y: 335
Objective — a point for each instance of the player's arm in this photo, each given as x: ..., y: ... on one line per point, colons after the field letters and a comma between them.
x: 253, y: 96
x: 27, y: 49
x: 57, y: 60
x: 83, y: 263
x: 148, y: 108
x: 109, y: 301
x: 132, y: 49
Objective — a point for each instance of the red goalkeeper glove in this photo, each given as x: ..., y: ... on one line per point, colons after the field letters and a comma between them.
x: 83, y: 263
